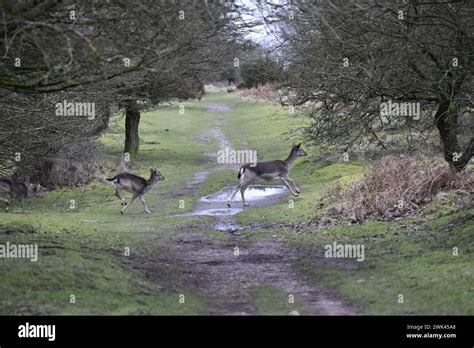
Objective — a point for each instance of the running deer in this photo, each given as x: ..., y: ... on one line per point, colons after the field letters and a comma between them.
x: 272, y: 170
x: 11, y: 189
x: 136, y: 185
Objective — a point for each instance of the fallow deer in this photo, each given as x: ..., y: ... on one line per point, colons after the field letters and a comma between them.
x: 136, y: 185
x: 11, y: 189
x: 272, y: 170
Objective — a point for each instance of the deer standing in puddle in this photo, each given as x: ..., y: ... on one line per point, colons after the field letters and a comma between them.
x: 278, y: 169
x: 136, y: 185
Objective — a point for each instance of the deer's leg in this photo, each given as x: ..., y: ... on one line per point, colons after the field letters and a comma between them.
x: 117, y: 193
x: 245, y: 180
x: 294, y: 184
x: 142, y: 199
x: 236, y: 189
x: 286, y: 182
x: 248, y: 179
x: 7, y: 201
x: 242, y: 192
x: 129, y: 204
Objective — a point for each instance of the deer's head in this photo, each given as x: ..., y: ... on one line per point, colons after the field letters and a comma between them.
x: 35, y: 190
x: 155, y: 175
x: 298, y: 151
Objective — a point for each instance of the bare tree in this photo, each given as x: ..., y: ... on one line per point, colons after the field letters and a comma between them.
x: 102, y: 53
x: 346, y: 58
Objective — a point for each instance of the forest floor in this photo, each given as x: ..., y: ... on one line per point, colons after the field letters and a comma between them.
x: 194, y: 256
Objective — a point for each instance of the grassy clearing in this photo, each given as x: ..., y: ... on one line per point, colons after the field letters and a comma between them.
x: 416, y: 262
x: 81, y: 249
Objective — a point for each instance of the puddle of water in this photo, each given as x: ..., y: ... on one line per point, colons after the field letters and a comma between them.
x: 227, y: 227
x: 216, y: 204
x: 214, y: 212
x: 254, y: 192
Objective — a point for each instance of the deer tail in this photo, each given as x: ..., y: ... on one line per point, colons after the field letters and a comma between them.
x: 112, y: 179
x: 241, y: 172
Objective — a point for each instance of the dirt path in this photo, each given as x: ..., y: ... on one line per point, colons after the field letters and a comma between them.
x: 215, y: 133
x: 226, y: 278
x: 227, y: 272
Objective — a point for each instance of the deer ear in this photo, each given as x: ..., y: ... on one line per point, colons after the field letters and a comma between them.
x: 298, y: 145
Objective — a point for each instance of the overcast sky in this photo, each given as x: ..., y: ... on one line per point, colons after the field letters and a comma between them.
x: 261, y: 34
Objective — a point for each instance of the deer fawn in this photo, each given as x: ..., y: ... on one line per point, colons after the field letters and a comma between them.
x: 272, y: 170
x: 10, y: 190
x: 136, y: 185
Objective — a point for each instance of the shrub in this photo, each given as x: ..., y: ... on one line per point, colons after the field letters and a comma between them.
x: 259, y: 71
x: 75, y: 164
x: 266, y: 92
x: 396, y: 186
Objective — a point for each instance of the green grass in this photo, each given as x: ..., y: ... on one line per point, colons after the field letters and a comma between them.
x: 81, y: 244
x: 271, y: 301
x: 81, y: 249
x: 419, y: 265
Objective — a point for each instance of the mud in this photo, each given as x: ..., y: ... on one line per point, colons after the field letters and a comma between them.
x: 227, y: 279
x: 227, y: 272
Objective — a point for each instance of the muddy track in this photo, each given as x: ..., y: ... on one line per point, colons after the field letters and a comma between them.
x: 226, y: 272
x: 227, y: 278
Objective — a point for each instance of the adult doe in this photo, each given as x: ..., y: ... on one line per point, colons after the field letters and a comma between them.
x: 136, y: 185
x: 272, y: 170
x: 12, y: 190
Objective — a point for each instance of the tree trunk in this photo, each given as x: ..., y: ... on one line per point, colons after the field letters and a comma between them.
x: 102, y: 121
x: 132, y: 120
x: 447, y: 123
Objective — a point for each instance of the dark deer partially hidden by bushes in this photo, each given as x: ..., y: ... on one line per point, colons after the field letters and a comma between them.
x: 11, y: 189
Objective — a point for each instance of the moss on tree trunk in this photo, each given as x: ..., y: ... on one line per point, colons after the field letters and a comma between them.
x: 446, y: 119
